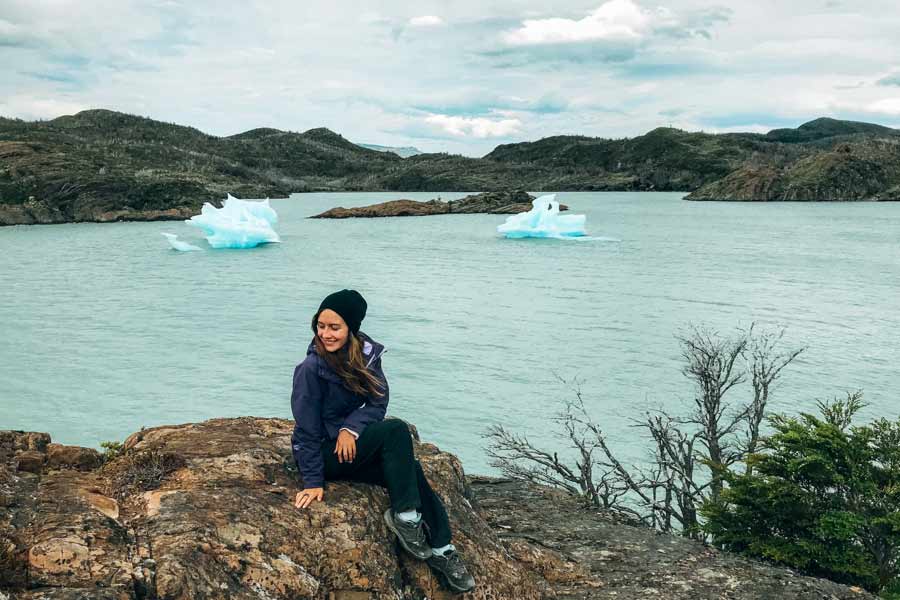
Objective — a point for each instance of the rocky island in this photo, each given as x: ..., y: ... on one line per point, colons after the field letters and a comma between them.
x: 102, y: 165
x: 494, y: 203
x: 205, y: 510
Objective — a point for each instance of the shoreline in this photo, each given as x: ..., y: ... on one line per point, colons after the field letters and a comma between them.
x: 182, y: 213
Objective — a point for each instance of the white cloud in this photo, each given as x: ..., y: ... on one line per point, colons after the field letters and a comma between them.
x: 752, y: 128
x: 32, y: 107
x: 887, y: 106
x: 478, y: 127
x: 614, y: 20
x: 11, y: 33
x: 426, y: 21
x: 506, y: 70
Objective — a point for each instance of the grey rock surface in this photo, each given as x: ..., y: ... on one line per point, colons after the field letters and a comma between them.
x: 587, y: 553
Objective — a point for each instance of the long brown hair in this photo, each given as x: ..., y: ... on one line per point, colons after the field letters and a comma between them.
x: 349, y: 365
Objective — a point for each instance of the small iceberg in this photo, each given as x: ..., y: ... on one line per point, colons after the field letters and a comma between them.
x: 543, y: 221
x: 179, y: 245
x: 238, y: 224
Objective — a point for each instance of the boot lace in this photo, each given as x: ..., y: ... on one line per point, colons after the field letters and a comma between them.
x: 455, y: 564
x: 414, y: 528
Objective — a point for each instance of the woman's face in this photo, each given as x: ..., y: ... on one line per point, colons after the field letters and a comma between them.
x: 332, y: 330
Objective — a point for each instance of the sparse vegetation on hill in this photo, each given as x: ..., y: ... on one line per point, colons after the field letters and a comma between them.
x: 868, y: 169
x: 824, y: 128
x: 101, y: 165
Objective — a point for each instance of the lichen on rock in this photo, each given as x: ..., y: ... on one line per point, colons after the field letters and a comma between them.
x: 206, y: 510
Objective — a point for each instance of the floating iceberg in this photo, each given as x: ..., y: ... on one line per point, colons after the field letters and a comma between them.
x: 238, y: 224
x: 179, y: 245
x: 543, y: 221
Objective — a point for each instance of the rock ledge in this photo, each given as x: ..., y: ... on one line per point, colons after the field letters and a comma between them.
x: 205, y: 510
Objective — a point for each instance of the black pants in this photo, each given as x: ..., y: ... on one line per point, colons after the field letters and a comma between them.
x: 384, y: 456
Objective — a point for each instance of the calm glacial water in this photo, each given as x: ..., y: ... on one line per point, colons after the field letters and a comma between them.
x: 106, y: 330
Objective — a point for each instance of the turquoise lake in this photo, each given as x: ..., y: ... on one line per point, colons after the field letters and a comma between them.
x: 105, y: 329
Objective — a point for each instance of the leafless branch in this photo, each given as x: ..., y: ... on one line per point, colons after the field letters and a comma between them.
x: 689, y: 454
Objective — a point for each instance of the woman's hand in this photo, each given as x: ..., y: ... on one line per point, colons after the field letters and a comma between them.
x: 306, y: 497
x: 345, y: 448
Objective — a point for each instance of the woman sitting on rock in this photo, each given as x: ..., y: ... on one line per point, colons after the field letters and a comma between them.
x: 339, y: 400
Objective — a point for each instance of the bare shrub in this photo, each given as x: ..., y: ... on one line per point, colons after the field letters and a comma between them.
x: 689, y: 453
x: 142, y: 471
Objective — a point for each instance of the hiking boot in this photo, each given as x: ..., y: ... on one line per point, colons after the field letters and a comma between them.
x: 410, y: 535
x: 451, y: 566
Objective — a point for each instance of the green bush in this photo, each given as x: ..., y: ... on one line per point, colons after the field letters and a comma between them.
x: 891, y: 591
x: 823, y: 496
x: 111, y: 450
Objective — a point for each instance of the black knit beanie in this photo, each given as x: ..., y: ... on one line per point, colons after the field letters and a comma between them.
x: 349, y: 304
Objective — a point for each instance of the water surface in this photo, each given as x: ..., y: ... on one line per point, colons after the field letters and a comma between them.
x: 106, y: 330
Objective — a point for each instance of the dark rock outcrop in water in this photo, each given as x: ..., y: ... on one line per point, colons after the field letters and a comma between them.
x: 205, y: 510
x: 497, y: 203
x: 35, y: 212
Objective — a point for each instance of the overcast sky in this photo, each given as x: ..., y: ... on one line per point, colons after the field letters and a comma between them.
x: 461, y: 76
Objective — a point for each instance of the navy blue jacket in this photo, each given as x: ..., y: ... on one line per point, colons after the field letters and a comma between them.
x: 322, y: 406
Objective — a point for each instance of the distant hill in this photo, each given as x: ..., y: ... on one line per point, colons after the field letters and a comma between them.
x: 663, y: 159
x: 863, y: 170
x: 402, y: 152
x: 822, y: 160
x: 829, y: 128
x: 102, y: 165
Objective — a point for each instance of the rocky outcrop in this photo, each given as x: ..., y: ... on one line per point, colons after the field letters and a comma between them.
x: 67, y: 171
x: 486, y: 202
x: 30, y: 212
x: 34, y: 212
x: 848, y: 172
x: 205, y: 510
x: 585, y: 553
x: 392, y: 208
